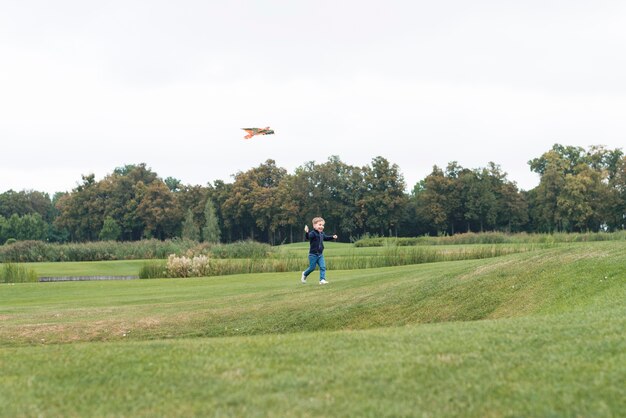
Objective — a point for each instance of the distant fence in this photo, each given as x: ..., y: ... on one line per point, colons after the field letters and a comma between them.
x: 85, y: 278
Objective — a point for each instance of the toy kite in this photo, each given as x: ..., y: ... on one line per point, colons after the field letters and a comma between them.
x: 257, y: 131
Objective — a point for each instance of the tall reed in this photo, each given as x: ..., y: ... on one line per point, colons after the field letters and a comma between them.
x: 493, y: 238
x: 390, y: 256
x: 16, y: 273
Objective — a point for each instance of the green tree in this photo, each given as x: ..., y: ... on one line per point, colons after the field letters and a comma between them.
x: 457, y: 196
x: 616, y: 201
x: 288, y: 209
x: 26, y: 202
x: 331, y: 190
x: 432, y: 201
x: 32, y: 227
x: 12, y: 227
x: 580, y: 200
x: 266, y: 205
x: 193, y: 198
x: 577, y: 189
x: 110, y: 231
x: 191, y: 230
x: 211, y: 231
x: 27, y: 227
x: 383, y: 198
x: 173, y: 184
x: 552, y: 168
x: 122, y: 190
x: 3, y: 230
x: 253, y: 203
x: 158, y: 210
x: 81, y: 212
x: 219, y: 193
x: 341, y: 186
x: 512, y: 208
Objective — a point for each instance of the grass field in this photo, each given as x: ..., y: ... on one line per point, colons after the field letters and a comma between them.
x: 87, y: 268
x: 536, y: 333
x: 293, y: 257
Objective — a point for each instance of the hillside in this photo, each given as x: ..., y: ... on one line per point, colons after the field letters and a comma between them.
x: 529, y: 334
x: 575, y: 276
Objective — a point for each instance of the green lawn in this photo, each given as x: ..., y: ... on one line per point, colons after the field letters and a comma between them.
x: 296, y: 254
x: 530, y: 334
x: 87, y: 268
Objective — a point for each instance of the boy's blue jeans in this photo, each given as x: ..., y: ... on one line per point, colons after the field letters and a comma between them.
x: 316, y: 259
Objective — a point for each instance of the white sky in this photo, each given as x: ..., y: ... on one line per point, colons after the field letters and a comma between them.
x: 88, y: 86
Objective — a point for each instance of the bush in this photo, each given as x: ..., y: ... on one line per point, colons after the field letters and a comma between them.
x: 197, y: 266
x: 24, y: 251
x: 34, y: 251
x: 153, y: 270
x: 493, y: 238
x: 15, y: 273
x: 242, y: 249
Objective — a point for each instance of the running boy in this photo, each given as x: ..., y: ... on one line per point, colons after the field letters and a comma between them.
x: 316, y: 257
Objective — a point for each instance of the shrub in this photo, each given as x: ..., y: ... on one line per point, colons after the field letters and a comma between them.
x: 197, y: 266
x: 24, y: 251
x: 493, y: 238
x: 15, y: 273
x: 153, y: 270
x: 242, y: 249
x: 33, y: 251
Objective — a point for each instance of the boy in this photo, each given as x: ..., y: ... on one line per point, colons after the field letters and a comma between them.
x: 316, y: 257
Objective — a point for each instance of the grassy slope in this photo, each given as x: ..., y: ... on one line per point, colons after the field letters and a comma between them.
x: 550, y: 343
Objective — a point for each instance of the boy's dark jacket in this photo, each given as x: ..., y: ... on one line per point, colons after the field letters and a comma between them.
x: 316, y: 241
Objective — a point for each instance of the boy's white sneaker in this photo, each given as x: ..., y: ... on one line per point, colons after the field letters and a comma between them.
x: 303, y: 278
x: 323, y: 281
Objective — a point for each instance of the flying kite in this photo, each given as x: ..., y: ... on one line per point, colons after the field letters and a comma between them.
x: 257, y: 131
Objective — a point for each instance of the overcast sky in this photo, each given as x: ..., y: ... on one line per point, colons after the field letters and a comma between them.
x: 88, y: 86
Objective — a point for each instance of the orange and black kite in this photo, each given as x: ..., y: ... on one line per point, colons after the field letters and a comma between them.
x: 257, y: 131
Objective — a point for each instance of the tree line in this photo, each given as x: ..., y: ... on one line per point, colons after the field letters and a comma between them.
x: 579, y: 190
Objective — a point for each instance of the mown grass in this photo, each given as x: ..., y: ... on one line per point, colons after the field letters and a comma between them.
x: 252, y: 304
x: 566, y: 365
x: 287, y: 258
x: 87, y: 268
x: 529, y: 334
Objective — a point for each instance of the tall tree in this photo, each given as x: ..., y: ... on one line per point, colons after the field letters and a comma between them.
x: 81, y: 212
x: 616, y: 201
x: 159, y: 211
x: 332, y: 190
x: 26, y: 202
x: 123, y: 195
x: 110, y: 231
x: 481, y: 204
x: 253, y: 202
x: 190, y: 230
x: 193, y: 198
x: 580, y: 200
x: 577, y: 189
x: 552, y: 168
x: 383, y: 199
x: 211, y: 231
x: 432, y: 201
x: 173, y: 184
x: 219, y: 193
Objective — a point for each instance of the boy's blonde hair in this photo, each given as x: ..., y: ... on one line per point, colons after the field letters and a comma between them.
x: 317, y: 219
